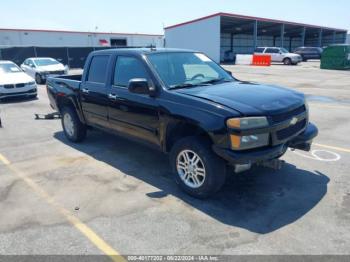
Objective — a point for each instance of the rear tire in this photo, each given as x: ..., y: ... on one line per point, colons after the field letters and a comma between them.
x: 74, y: 130
x: 287, y: 61
x: 201, y: 173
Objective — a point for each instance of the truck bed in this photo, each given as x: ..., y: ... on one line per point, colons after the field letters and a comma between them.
x: 68, y: 85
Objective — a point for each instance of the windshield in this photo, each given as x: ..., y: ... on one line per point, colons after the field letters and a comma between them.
x: 8, y: 68
x: 46, y: 62
x: 185, y: 69
x: 283, y: 50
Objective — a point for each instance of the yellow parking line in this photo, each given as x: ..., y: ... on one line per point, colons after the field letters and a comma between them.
x: 4, y: 160
x: 333, y: 147
x: 330, y: 106
x: 76, y: 222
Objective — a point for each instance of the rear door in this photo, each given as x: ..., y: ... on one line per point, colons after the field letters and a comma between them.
x: 93, y: 91
x: 313, y: 53
x: 129, y: 113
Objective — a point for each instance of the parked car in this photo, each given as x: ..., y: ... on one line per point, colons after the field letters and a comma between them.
x: 307, y: 53
x: 14, y: 82
x: 279, y: 54
x: 42, y: 68
x: 186, y: 105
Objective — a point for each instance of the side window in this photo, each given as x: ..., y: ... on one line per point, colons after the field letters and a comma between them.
x: 30, y: 63
x: 98, y: 69
x: 272, y: 50
x: 259, y: 50
x: 127, y: 68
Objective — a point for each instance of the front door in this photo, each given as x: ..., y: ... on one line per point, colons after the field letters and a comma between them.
x: 129, y: 113
x: 93, y: 92
x: 275, y: 54
x: 29, y: 67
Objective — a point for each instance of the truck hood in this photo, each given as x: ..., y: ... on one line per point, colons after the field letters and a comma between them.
x: 14, y: 78
x: 249, y: 98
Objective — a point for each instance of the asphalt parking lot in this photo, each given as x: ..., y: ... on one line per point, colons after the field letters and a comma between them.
x: 110, y: 195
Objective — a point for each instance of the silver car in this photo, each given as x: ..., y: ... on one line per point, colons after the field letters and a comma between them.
x: 40, y: 68
x: 280, y: 54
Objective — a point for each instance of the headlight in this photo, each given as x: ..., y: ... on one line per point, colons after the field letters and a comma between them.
x: 31, y: 83
x: 248, y: 141
x: 247, y: 122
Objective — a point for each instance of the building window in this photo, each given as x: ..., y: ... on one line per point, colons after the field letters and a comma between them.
x: 118, y: 42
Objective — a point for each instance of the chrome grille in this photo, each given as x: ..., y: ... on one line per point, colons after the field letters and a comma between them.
x: 291, y: 130
x: 20, y: 85
x: 284, y: 116
x: 56, y: 72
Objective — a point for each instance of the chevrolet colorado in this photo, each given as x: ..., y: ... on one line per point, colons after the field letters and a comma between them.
x: 186, y: 105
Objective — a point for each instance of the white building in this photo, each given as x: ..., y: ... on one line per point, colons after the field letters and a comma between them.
x: 55, y: 38
x: 222, y: 34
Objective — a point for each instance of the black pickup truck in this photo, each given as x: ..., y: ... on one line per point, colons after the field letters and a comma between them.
x: 184, y: 104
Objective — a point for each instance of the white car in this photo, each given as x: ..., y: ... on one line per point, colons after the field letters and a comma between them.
x: 42, y: 68
x: 14, y: 82
x: 279, y: 54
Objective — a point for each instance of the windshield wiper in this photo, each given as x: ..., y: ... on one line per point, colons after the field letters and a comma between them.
x: 185, y: 85
x: 216, y: 80
x: 205, y: 83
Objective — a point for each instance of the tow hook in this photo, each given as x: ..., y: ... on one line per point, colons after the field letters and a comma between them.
x: 50, y: 116
x: 275, y: 164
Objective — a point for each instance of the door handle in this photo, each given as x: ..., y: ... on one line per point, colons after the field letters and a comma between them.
x: 112, y: 97
x: 85, y: 91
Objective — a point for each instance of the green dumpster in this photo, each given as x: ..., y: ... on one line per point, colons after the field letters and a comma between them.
x: 336, y: 57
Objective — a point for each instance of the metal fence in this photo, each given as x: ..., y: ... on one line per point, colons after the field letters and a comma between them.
x: 74, y: 57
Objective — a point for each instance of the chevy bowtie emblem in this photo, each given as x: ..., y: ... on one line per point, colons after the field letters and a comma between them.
x: 293, y: 121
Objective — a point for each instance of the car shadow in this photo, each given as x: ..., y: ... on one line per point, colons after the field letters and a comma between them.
x: 260, y: 200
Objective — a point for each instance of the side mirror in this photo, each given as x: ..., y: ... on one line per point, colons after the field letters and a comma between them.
x: 139, y: 86
x: 229, y: 72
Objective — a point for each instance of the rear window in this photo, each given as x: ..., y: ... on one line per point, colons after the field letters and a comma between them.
x: 98, y: 69
x: 259, y: 50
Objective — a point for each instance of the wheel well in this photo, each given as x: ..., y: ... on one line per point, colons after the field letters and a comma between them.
x: 182, y: 130
x: 62, y: 102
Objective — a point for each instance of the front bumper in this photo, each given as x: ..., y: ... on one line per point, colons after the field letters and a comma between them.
x: 28, y: 93
x: 297, y: 59
x: 302, y: 141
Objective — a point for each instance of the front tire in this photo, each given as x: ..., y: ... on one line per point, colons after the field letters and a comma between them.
x: 74, y: 130
x: 38, y: 79
x: 197, y: 169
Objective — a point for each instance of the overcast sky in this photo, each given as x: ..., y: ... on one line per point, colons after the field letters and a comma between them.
x: 150, y: 16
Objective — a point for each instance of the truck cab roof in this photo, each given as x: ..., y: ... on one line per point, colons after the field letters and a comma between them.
x: 140, y: 51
